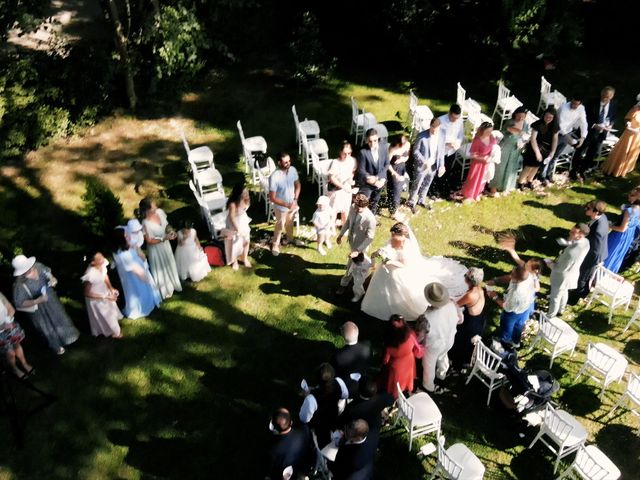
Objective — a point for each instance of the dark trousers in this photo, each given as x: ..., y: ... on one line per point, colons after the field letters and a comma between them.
x: 374, y: 197
x: 449, y: 182
x: 587, y: 269
x: 394, y: 193
x: 586, y: 154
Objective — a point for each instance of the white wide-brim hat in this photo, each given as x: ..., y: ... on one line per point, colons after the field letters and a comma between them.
x: 323, y: 200
x: 134, y: 231
x: 22, y: 265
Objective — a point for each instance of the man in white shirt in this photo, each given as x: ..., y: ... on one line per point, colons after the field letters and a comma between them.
x: 425, y: 164
x: 572, y: 121
x: 284, y: 191
x: 451, y: 136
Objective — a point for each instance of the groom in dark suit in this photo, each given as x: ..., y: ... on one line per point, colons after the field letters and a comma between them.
x: 373, y: 162
x: 600, y: 117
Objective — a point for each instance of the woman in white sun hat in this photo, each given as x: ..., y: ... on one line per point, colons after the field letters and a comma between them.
x: 33, y: 294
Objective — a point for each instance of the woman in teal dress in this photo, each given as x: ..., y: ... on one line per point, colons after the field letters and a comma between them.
x: 506, y: 174
x: 622, y: 235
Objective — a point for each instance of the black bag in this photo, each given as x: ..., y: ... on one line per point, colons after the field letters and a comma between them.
x: 260, y: 160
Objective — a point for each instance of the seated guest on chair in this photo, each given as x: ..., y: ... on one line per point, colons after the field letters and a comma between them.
x: 353, y: 357
x: 288, y: 447
x: 373, y: 162
x: 356, y: 453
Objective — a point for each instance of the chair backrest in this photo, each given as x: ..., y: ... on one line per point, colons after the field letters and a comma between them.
x: 413, y: 101
x: 545, y: 86
x: 600, y: 359
x: 633, y: 387
x: 461, y: 95
x: 549, y: 330
x: 305, y: 143
x: 487, y: 359
x: 295, y: 117
x: 589, y: 465
x: 530, y: 118
x: 607, y: 282
x: 184, y: 142
x: 355, y: 110
x: 448, y: 464
x: 555, y: 425
x: 503, y: 92
x: 405, y: 408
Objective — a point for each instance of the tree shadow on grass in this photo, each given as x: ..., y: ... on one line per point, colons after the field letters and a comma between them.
x: 611, y: 438
x: 581, y: 399
x: 592, y: 321
x: 539, y: 455
x: 632, y: 350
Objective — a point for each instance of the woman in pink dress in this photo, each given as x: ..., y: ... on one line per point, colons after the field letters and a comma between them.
x: 101, y: 298
x: 480, y: 153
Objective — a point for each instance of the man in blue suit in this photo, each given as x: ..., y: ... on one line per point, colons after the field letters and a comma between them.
x: 600, y: 117
x: 426, y: 164
x: 373, y: 162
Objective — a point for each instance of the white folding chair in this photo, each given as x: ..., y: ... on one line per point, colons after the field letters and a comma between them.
x: 418, y: 414
x: 564, y: 159
x: 564, y: 434
x: 419, y: 115
x: 360, y: 121
x: 610, y: 289
x: 603, y: 364
x: 505, y: 104
x: 457, y: 463
x: 320, y: 169
x: 631, y: 396
x: 556, y: 336
x: 383, y: 133
x: 462, y: 157
x: 485, y: 368
x: 592, y: 464
x: 209, y: 185
x: 310, y: 128
x: 528, y: 121
x: 263, y: 182
x: 317, y: 145
x: 545, y: 90
x: 201, y: 157
x: 467, y: 105
x: 606, y: 147
x: 250, y: 145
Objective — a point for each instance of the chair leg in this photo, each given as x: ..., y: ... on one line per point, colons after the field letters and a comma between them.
x: 555, y: 466
x: 566, y: 472
x: 580, y: 372
x: 537, y: 437
x: 617, y: 404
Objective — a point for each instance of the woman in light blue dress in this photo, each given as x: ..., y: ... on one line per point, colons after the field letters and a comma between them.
x: 140, y: 291
x: 622, y: 235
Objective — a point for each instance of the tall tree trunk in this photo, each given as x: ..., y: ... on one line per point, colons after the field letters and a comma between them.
x: 122, y: 44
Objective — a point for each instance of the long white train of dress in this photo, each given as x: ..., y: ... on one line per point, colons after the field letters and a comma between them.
x: 400, y: 290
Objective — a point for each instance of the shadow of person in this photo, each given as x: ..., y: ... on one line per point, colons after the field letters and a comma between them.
x: 626, y: 459
x: 521, y: 465
x: 573, y: 212
x: 632, y: 350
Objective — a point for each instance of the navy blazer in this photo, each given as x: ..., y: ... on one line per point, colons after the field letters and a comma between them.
x: 421, y: 151
x: 593, y: 114
x: 598, y: 234
x: 367, y: 167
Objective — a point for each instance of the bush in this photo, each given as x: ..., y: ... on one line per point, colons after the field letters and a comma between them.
x: 309, y: 61
x: 102, y: 210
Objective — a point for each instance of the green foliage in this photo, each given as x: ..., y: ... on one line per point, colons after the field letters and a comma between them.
x: 177, y: 40
x: 309, y: 61
x: 102, y: 210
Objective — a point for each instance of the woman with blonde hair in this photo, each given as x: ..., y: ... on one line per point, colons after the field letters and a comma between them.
x: 624, y: 155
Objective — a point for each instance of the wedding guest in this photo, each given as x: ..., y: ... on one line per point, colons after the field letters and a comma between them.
x: 356, y: 454
x: 340, y: 182
x: 401, y: 349
x: 480, y: 154
x: 506, y: 174
x: 157, y: 235
x: 541, y: 147
x: 565, y: 270
x: 100, y: 298
x: 288, y: 446
x: 191, y: 261
x: 353, y: 357
x: 451, y: 137
x: 474, y: 321
x: 399, y: 154
x: 373, y: 162
x: 359, y: 270
x: 284, y: 192
x: 624, y: 155
x: 361, y: 225
x: 622, y: 235
x: 323, y: 222
x: 33, y: 293
x: 237, y: 238
x: 11, y: 336
x: 427, y: 163
x: 443, y: 317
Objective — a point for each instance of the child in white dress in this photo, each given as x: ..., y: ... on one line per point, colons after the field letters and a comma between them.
x: 323, y: 222
x: 190, y: 258
x: 359, y: 271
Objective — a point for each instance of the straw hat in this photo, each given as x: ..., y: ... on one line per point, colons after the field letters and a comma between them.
x: 22, y: 265
x: 436, y: 294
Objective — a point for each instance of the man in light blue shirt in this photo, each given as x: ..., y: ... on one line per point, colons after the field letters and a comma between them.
x: 284, y: 191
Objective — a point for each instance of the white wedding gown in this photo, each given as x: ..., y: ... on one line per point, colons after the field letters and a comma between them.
x: 400, y: 290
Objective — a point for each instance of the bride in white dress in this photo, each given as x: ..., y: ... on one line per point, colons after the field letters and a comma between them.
x: 397, y: 286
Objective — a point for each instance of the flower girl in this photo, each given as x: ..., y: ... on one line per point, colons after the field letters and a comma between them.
x: 190, y: 258
x: 323, y: 220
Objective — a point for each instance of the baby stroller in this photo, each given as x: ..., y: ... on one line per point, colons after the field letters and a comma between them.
x: 526, y: 391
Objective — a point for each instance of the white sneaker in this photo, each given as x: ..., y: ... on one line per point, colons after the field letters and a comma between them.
x: 328, y: 244
x: 321, y: 251
x: 356, y: 298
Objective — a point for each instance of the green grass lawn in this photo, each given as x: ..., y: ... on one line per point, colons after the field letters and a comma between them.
x: 188, y: 391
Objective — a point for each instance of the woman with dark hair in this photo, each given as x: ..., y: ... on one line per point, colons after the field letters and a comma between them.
x: 399, y: 154
x: 191, y: 260
x: 100, y: 298
x: 157, y: 235
x: 480, y: 154
x: 397, y: 285
x: 541, y: 147
x: 340, y: 181
x: 401, y: 348
x: 11, y: 335
x: 237, y: 234
x: 140, y: 292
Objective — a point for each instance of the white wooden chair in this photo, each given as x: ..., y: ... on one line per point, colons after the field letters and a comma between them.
x: 201, y: 157
x: 317, y: 145
x: 545, y: 90
x: 556, y: 337
x: 505, y: 104
x: 457, y: 463
x: 263, y: 175
x: 592, y: 464
x: 320, y: 169
x: 631, y: 396
x: 610, y: 289
x: 419, y: 414
x: 209, y: 185
x: 564, y: 434
x: 604, y: 365
x: 360, y: 121
x: 419, y: 115
x: 467, y: 105
x: 565, y: 159
x: 606, y: 147
x: 462, y: 157
x: 310, y: 128
x: 214, y: 223
x: 485, y: 368
x: 529, y: 118
x: 250, y: 145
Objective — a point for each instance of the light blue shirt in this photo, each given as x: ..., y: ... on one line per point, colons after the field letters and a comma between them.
x: 283, y: 183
